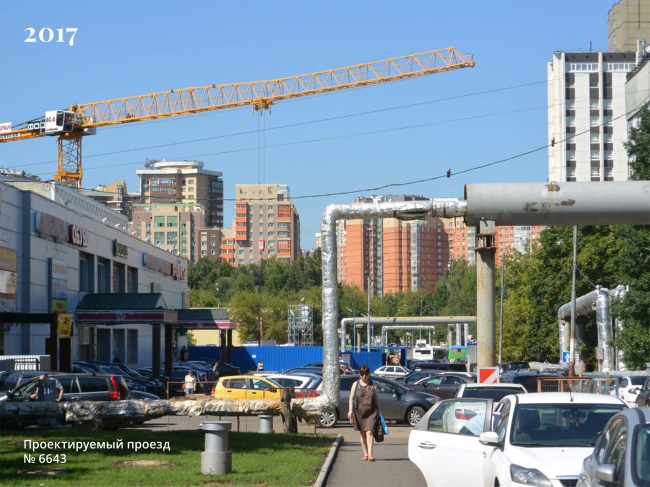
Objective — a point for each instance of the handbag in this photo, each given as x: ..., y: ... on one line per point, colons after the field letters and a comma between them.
x: 383, y: 425
x: 378, y: 432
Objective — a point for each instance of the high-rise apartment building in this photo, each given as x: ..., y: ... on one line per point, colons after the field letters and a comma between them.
x: 586, y: 106
x: 115, y: 196
x: 266, y: 224
x: 184, y: 182
x: 402, y: 256
x: 627, y: 22
x: 174, y: 228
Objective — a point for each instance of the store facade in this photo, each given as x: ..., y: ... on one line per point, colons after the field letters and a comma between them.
x: 57, y: 247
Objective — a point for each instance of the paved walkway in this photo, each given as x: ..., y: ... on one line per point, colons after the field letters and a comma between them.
x: 391, y: 467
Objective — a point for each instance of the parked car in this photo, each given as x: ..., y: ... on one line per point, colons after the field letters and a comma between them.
x: 246, y: 387
x: 643, y: 397
x: 622, y: 454
x: 304, y: 370
x: 538, y: 439
x: 96, y: 367
x: 134, y: 380
x: 76, y: 387
x: 304, y: 385
x: 442, y: 367
x: 12, y: 378
x: 513, y: 366
x: 629, y: 387
x: 442, y: 385
x: 391, y: 371
x: 397, y: 402
x: 413, y: 377
x: 496, y: 392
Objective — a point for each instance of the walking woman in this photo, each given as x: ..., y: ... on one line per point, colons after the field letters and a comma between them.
x: 364, y: 410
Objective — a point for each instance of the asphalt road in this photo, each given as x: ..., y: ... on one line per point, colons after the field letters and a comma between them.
x: 391, y: 467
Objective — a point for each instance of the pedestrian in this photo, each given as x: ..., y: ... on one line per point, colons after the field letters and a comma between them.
x: 364, y: 411
x: 184, y: 354
x: 116, y: 358
x: 260, y: 366
x: 214, y: 375
x: 190, y: 382
x: 57, y: 386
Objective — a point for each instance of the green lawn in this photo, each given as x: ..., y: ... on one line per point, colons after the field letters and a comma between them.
x: 257, y: 460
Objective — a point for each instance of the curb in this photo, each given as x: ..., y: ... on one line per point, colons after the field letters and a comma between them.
x: 321, y: 481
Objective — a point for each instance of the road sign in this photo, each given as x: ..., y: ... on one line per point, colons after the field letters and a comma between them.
x: 565, y: 357
x: 488, y: 375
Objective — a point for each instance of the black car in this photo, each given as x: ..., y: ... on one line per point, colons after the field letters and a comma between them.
x: 643, y: 398
x: 13, y: 378
x: 439, y: 366
x: 134, y: 383
x: 396, y: 401
x: 413, y: 377
x: 153, y: 386
x: 77, y: 387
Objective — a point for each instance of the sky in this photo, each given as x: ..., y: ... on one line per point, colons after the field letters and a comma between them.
x: 349, y: 141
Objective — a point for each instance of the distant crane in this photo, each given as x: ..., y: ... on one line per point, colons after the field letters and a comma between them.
x: 79, y: 120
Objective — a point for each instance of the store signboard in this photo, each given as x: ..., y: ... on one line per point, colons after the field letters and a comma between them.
x: 58, y: 286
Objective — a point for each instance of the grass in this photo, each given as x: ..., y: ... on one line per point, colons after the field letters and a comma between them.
x: 257, y: 460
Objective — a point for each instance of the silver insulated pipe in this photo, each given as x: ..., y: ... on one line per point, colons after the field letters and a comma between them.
x: 406, y: 210
x: 466, y: 330
x: 458, y: 334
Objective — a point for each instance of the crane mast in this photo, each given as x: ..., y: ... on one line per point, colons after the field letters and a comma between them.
x: 80, y: 120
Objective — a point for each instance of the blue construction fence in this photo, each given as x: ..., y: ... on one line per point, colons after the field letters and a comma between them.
x: 281, y: 358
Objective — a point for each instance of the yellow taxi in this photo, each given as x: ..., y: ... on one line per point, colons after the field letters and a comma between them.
x: 246, y: 387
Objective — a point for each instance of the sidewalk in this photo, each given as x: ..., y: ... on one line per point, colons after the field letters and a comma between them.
x: 391, y: 467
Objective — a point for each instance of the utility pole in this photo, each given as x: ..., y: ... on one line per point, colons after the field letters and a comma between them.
x: 368, y: 313
x: 503, y: 265
x: 572, y: 339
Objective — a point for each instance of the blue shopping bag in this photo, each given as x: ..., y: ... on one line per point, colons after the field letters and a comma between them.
x: 383, y: 425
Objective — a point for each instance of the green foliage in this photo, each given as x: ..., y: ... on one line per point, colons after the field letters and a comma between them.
x: 638, y: 148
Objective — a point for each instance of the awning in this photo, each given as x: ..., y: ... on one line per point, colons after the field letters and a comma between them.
x: 124, y: 308
x: 205, y: 319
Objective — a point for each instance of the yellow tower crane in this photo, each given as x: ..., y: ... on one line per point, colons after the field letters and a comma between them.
x: 79, y: 120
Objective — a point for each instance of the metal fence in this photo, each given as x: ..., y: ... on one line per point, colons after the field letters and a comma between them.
x: 28, y: 362
x: 597, y: 385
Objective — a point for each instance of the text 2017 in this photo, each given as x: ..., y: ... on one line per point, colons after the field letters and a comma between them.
x: 46, y: 34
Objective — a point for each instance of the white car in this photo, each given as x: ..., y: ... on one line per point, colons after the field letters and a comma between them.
x: 392, y: 371
x: 538, y: 439
x: 629, y: 384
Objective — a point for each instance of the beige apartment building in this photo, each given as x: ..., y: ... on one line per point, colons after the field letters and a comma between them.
x: 172, y: 227
x: 183, y: 182
x: 627, y: 22
x: 266, y: 224
x: 115, y: 196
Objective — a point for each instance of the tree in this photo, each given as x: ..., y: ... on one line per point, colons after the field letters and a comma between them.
x: 634, y: 259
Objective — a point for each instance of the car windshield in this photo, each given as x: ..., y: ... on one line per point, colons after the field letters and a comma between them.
x: 495, y: 394
x: 642, y: 455
x: 550, y: 425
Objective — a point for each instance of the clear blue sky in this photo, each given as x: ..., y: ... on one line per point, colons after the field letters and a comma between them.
x: 125, y: 48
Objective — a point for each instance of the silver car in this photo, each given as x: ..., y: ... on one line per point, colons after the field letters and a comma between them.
x: 622, y: 453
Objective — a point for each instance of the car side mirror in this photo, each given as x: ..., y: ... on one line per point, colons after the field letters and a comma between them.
x: 605, y: 473
x: 489, y: 438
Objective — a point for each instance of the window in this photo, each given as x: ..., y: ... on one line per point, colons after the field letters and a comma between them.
x: 159, y: 238
x: 172, y: 221
x: 103, y: 275
x: 608, y: 138
x: 607, y: 121
x: 94, y: 384
x: 571, y: 121
x: 172, y: 238
x: 594, y: 138
x: 607, y: 104
x: 595, y: 171
x: 270, y: 207
x: 158, y: 221
x: 609, y: 155
x: 131, y: 280
x: 86, y: 272
x: 593, y: 104
x: 616, y: 453
x: 502, y: 422
x: 571, y: 155
x: 594, y: 154
x: 445, y: 418
x: 570, y: 104
x: 570, y: 173
x: 594, y: 121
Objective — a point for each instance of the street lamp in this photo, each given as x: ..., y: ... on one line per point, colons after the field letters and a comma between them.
x: 218, y: 296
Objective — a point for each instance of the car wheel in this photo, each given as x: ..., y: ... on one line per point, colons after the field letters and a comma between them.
x: 414, y: 415
x: 328, y: 420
